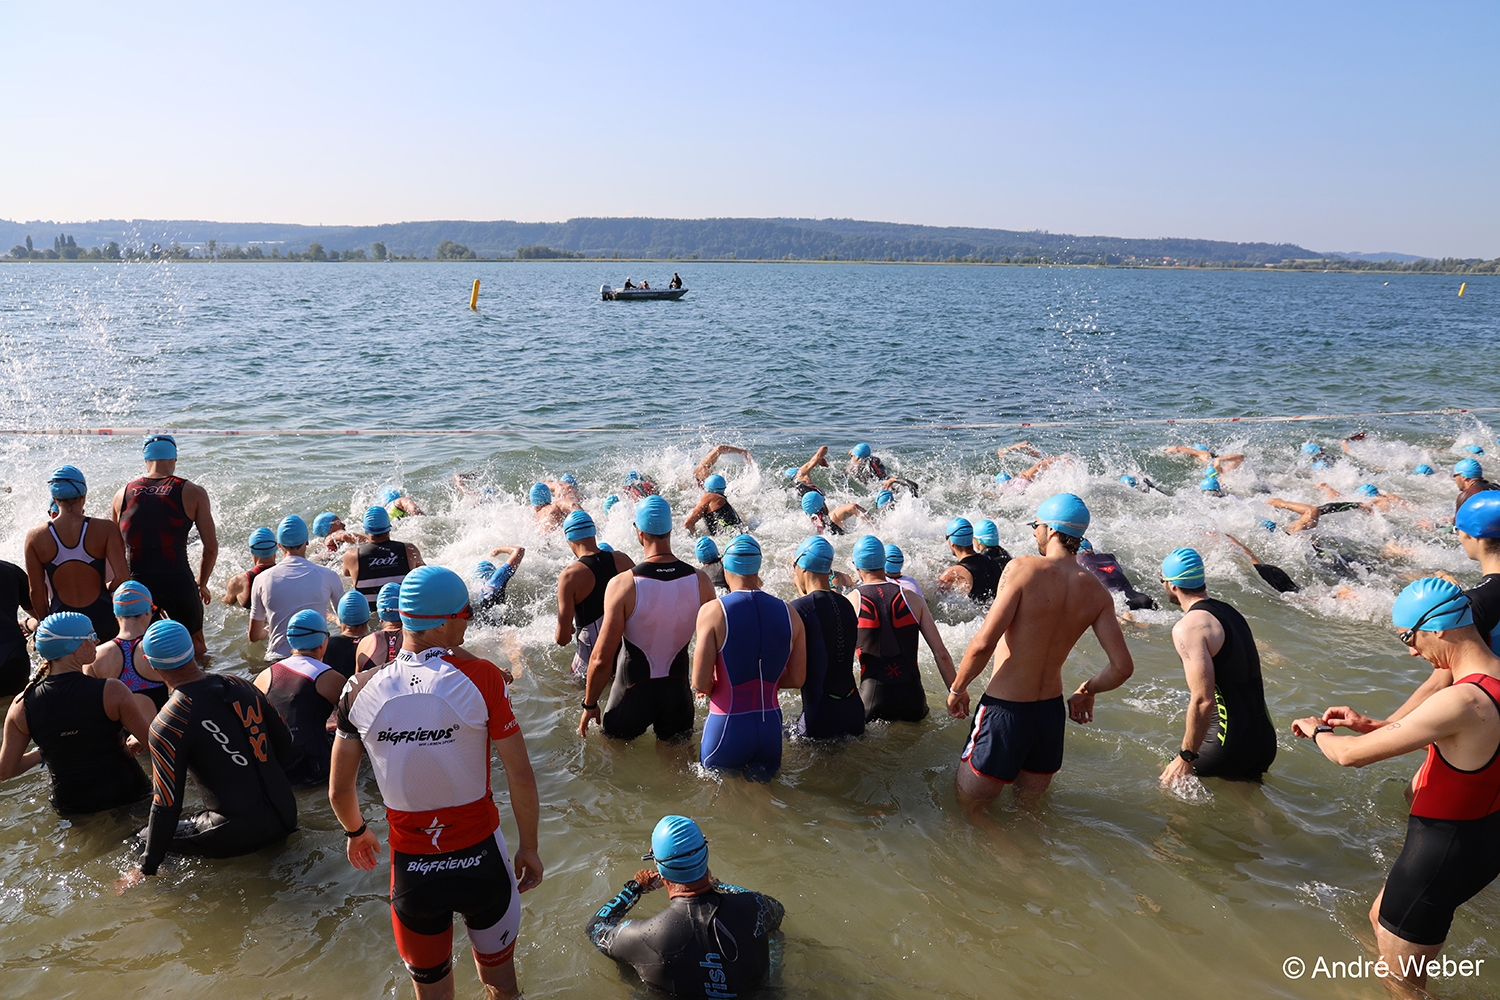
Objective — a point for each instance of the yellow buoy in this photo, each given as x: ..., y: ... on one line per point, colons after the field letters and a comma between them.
x: 474, y: 296
x: 1461, y: 287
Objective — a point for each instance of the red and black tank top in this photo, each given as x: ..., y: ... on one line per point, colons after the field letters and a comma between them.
x: 155, y: 525
x: 1448, y: 792
x: 886, y: 635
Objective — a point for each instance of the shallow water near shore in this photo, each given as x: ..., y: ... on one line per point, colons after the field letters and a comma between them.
x: 1107, y: 887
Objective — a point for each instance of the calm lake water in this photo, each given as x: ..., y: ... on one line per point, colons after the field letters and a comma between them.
x: 1109, y: 888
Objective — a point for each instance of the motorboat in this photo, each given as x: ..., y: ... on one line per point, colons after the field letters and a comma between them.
x: 611, y: 294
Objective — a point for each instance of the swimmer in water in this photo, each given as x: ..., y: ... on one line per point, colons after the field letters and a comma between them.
x: 682, y: 949
x: 332, y: 536
x: 1478, y: 528
x: 156, y: 513
x: 889, y: 619
x: 651, y: 614
x: 382, y: 559
x: 987, y: 544
x: 122, y: 657
x: 290, y: 586
x: 1468, y: 476
x: 1274, y: 576
x: 1107, y: 569
x: 354, y: 625
x: 1374, y: 498
x: 705, y: 466
x: 707, y: 554
x: 581, y: 587
x: 749, y: 646
x: 823, y: 519
x: 494, y: 579
x: 76, y: 574
x: 1452, y: 848
x: 831, y: 705
x: 973, y: 575
x: 638, y: 487
x: 801, y: 477
x: 1141, y: 484
x: 895, y: 564
x: 713, y: 509
x: 1210, y: 484
x: 1045, y: 604
x: 547, y: 513
x: 865, y: 465
x: 565, y: 491
x: 1201, y: 452
x: 1308, y: 514
x: 397, y: 504
x: 75, y: 721
x: 1229, y: 733
x: 262, y: 545
x: 381, y: 646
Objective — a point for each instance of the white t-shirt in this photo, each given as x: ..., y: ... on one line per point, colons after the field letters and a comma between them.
x: 292, y: 585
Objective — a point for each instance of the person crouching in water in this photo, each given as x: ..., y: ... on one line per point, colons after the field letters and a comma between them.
x: 749, y: 645
x: 682, y: 949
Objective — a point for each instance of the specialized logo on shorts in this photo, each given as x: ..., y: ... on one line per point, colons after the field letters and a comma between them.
x: 415, y: 735
x: 447, y: 864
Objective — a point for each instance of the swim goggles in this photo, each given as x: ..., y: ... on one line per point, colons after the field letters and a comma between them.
x: 1409, y: 636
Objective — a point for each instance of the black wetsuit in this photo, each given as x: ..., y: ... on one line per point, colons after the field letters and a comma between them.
x: 870, y: 469
x: 223, y: 731
x: 381, y: 563
x: 905, y: 484
x: 1241, y: 740
x: 715, y: 571
x: 984, y: 577
x: 831, y: 705
x: 589, y: 610
x: 1277, y: 578
x: 997, y: 555
x: 890, y: 685
x: 652, y: 686
x: 1484, y: 599
x: 15, y: 663
x: 306, y: 713
x: 1337, y: 507
x: 155, y: 525
x: 82, y: 747
x: 340, y: 654
x: 716, y: 944
x: 1104, y: 566
x: 1478, y: 486
x: 725, y: 516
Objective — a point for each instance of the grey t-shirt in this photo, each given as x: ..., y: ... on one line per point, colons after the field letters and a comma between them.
x: 292, y: 585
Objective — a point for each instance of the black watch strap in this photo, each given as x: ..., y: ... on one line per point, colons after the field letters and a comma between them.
x: 1188, y: 755
x: 584, y: 704
x: 351, y: 834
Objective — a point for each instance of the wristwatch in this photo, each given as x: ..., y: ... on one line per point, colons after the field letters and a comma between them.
x: 1188, y: 755
x: 584, y: 704
x: 1319, y: 731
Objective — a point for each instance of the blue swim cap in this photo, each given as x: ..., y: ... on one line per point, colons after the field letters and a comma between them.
x: 1367, y: 490
x: 1003, y: 477
x: 606, y: 547
x: 960, y: 532
x: 1479, y: 517
x: 861, y: 450
x: 578, y: 525
x: 1064, y: 513
x: 262, y: 542
x: 1469, y: 469
x: 377, y: 521
x: 131, y: 599
x: 291, y: 532
x: 632, y: 477
x: 678, y: 847
x: 815, y: 555
x: 1184, y: 568
x: 884, y: 497
x: 791, y: 471
x: 430, y: 596
x: 742, y: 556
x: 1308, y: 448
x: 895, y: 559
x: 715, y: 484
x: 390, y: 495
x: 388, y: 603
x: 610, y: 501
x: 1084, y: 545
x: 159, y: 447
x: 484, y: 569
x: 869, y: 553
x: 567, y: 477
x: 1128, y: 480
x: 541, y: 495
x: 1474, y: 449
x: 167, y: 645
x: 323, y: 523
x: 307, y: 630
x: 1201, y: 447
x: 987, y: 533
x: 654, y: 516
x: 1320, y: 465
x: 813, y: 502
x: 66, y: 483
x: 354, y: 608
x: 1432, y: 605
x: 1423, y: 470
x: 62, y: 633
x: 1270, y: 525
x: 706, y: 550
x: 1209, y: 484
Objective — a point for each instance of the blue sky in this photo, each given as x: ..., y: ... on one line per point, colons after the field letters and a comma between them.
x: 1335, y: 126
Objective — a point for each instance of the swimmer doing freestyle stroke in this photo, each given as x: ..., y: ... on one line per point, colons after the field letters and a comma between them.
x: 1045, y: 604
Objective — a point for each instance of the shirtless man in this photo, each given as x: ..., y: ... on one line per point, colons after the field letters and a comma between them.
x: 1045, y: 604
x: 547, y: 513
x: 1219, y: 463
x: 565, y: 491
x: 581, y: 586
x: 262, y: 546
x: 705, y: 468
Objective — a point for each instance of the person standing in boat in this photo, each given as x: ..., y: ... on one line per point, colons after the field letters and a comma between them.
x: 676, y: 281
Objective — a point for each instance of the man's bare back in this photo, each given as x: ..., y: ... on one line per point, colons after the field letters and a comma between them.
x: 1051, y: 603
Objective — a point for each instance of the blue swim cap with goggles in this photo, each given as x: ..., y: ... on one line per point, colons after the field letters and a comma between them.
x: 132, y: 599
x: 742, y: 556
x: 159, y: 447
x: 578, y: 525
x: 715, y: 484
x: 1065, y: 513
x: 679, y: 849
x: 1430, y: 605
x: 62, y: 633
x: 895, y: 559
x: 167, y: 645
x: 388, y: 603
x: 432, y: 596
x: 815, y: 555
x: 1184, y: 568
x: 307, y: 629
x: 67, y: 483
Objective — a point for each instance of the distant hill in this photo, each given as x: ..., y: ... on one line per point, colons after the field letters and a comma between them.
x: 743, y: 239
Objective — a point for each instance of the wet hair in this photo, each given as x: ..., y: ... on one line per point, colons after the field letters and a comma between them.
x: 1070, y: 542
x: 647, y: 534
